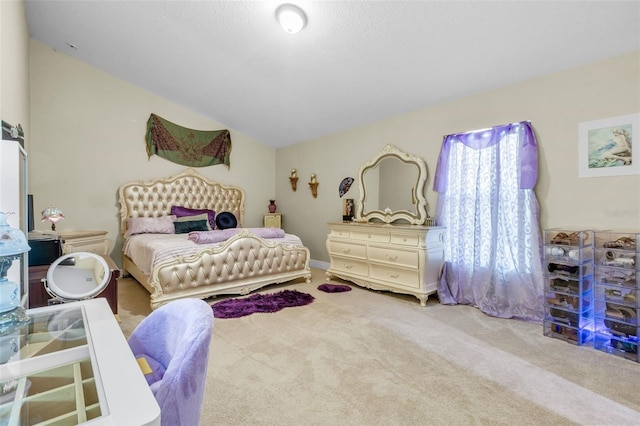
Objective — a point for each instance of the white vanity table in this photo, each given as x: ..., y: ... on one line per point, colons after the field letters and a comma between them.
x: 71, y: 364
x: 388, y: 247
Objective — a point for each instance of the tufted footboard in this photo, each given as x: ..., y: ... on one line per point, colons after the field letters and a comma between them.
x: 242, y: 264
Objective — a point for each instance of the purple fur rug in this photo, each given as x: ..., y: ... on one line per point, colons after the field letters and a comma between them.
x: 236, y: 308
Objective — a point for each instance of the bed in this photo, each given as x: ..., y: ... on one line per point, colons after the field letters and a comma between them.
x: 177, y: 266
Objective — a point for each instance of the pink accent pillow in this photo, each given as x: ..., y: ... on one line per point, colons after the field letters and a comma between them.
x: 181, y: 211
x: 150, y: 225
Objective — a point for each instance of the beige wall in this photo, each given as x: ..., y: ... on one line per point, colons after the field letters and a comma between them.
x: 14, y: 65
x: 555, y: 104
x: 87, y: 137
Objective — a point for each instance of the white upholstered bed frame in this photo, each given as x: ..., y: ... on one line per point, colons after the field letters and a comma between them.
x: 239, y: 265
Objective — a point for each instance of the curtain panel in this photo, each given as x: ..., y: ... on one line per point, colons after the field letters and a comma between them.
x: 485, y: 181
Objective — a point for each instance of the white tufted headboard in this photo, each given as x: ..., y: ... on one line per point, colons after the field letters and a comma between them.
x: 189, y: 189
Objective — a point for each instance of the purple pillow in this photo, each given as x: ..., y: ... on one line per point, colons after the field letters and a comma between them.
x: 181, y: 211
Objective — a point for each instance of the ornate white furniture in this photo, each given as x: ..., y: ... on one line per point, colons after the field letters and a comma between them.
x: 273, y: 220
x: 388, y: 247
x: 91, y: 241
x: 239, y: 265
x: 400, y: 258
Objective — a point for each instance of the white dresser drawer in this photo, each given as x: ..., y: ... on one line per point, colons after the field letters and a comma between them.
x: 374, y: 237
x: 349, y: 266
x: 347, y: 249
x: 340, y: 233
x: 396, y: 276
x: 406, y: 240
x: 406, y: 258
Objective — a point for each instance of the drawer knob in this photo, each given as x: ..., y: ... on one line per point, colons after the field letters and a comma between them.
x: 348, y: 266
x: 391, y: 258
x: 346, y: 250
x: 393, y: 274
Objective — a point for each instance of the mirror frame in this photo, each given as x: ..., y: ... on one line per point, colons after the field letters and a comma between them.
x: 54, y: 290
x: 390, y: 216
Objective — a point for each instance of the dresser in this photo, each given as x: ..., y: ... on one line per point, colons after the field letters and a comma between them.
x: 404, y: 259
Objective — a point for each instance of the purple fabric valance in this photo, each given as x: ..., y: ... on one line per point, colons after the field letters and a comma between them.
x: 486, y: 138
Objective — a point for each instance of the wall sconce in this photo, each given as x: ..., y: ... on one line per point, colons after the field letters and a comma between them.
x: 313, y: 184
x: 53, y: 215
x: 293, y: 179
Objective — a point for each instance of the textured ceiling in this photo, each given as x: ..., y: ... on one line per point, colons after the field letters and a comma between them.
x: 355, y: 63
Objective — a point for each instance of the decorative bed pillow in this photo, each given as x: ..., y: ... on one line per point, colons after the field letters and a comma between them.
x: 186, y: 224
x: 150, y: 225
x: 181, y: 211
x: 226, y: 220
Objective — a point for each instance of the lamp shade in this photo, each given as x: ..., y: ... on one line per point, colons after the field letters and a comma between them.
x: 53, y: 215
x: 12, y: 240
x: 292, y: 19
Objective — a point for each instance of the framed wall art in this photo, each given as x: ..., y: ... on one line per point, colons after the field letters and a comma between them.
x: 606, y: 146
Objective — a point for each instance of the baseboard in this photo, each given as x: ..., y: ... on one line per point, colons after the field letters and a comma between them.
x: 318, y: 264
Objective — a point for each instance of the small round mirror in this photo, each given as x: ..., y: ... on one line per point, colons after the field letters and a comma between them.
x: 77, y: 276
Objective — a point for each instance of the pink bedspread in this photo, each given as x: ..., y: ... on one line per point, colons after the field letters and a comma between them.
x: 218, y: 235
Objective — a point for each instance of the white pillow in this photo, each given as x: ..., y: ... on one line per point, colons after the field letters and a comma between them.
x: 150, y: 225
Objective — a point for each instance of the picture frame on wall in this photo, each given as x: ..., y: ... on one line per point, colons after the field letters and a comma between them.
x: 606, y: 146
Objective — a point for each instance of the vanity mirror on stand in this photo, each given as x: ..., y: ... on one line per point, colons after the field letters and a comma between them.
x: 391, y: 244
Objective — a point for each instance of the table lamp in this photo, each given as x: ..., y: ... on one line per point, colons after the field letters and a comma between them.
x: 53, y: 215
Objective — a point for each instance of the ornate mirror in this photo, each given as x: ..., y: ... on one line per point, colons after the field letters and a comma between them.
x: 392, y: 188
x: 77, y: 276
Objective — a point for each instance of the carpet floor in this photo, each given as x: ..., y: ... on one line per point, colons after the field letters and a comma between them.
x: 374, y: 358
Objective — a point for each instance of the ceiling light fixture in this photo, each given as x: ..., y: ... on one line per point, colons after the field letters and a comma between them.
x: 292, y: 19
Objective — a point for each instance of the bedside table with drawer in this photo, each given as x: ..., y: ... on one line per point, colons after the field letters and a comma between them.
x: 91, y: 241
x: 273, y: 220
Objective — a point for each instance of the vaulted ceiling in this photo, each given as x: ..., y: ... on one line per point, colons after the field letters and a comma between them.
x: 355, y: 62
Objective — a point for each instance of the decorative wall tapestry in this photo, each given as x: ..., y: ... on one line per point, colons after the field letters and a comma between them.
x: 195, y: 148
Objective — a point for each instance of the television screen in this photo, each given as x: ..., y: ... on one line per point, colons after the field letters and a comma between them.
x: 30, y: 224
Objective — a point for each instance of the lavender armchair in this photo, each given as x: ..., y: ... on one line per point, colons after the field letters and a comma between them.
x: 175, y: 339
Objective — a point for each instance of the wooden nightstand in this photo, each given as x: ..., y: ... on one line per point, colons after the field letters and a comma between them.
x: 273, y: 220
x: 91, y: 241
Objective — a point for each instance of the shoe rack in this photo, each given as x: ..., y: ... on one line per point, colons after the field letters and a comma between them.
x: 568, y: 299
x: 617, y: 290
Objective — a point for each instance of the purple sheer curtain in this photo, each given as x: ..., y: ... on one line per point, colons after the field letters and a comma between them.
x: 485, y: 182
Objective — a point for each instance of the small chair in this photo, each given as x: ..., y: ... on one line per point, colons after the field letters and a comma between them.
x: 174, y: 340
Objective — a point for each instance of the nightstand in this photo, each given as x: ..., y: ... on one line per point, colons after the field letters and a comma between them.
x: 273, y: 220
x: 91, y: 241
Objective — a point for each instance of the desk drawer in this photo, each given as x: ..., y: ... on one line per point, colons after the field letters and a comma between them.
x: 406, y: 258
x: 93, y: 245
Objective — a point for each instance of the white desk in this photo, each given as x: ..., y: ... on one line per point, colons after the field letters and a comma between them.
x: 72, y: 363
